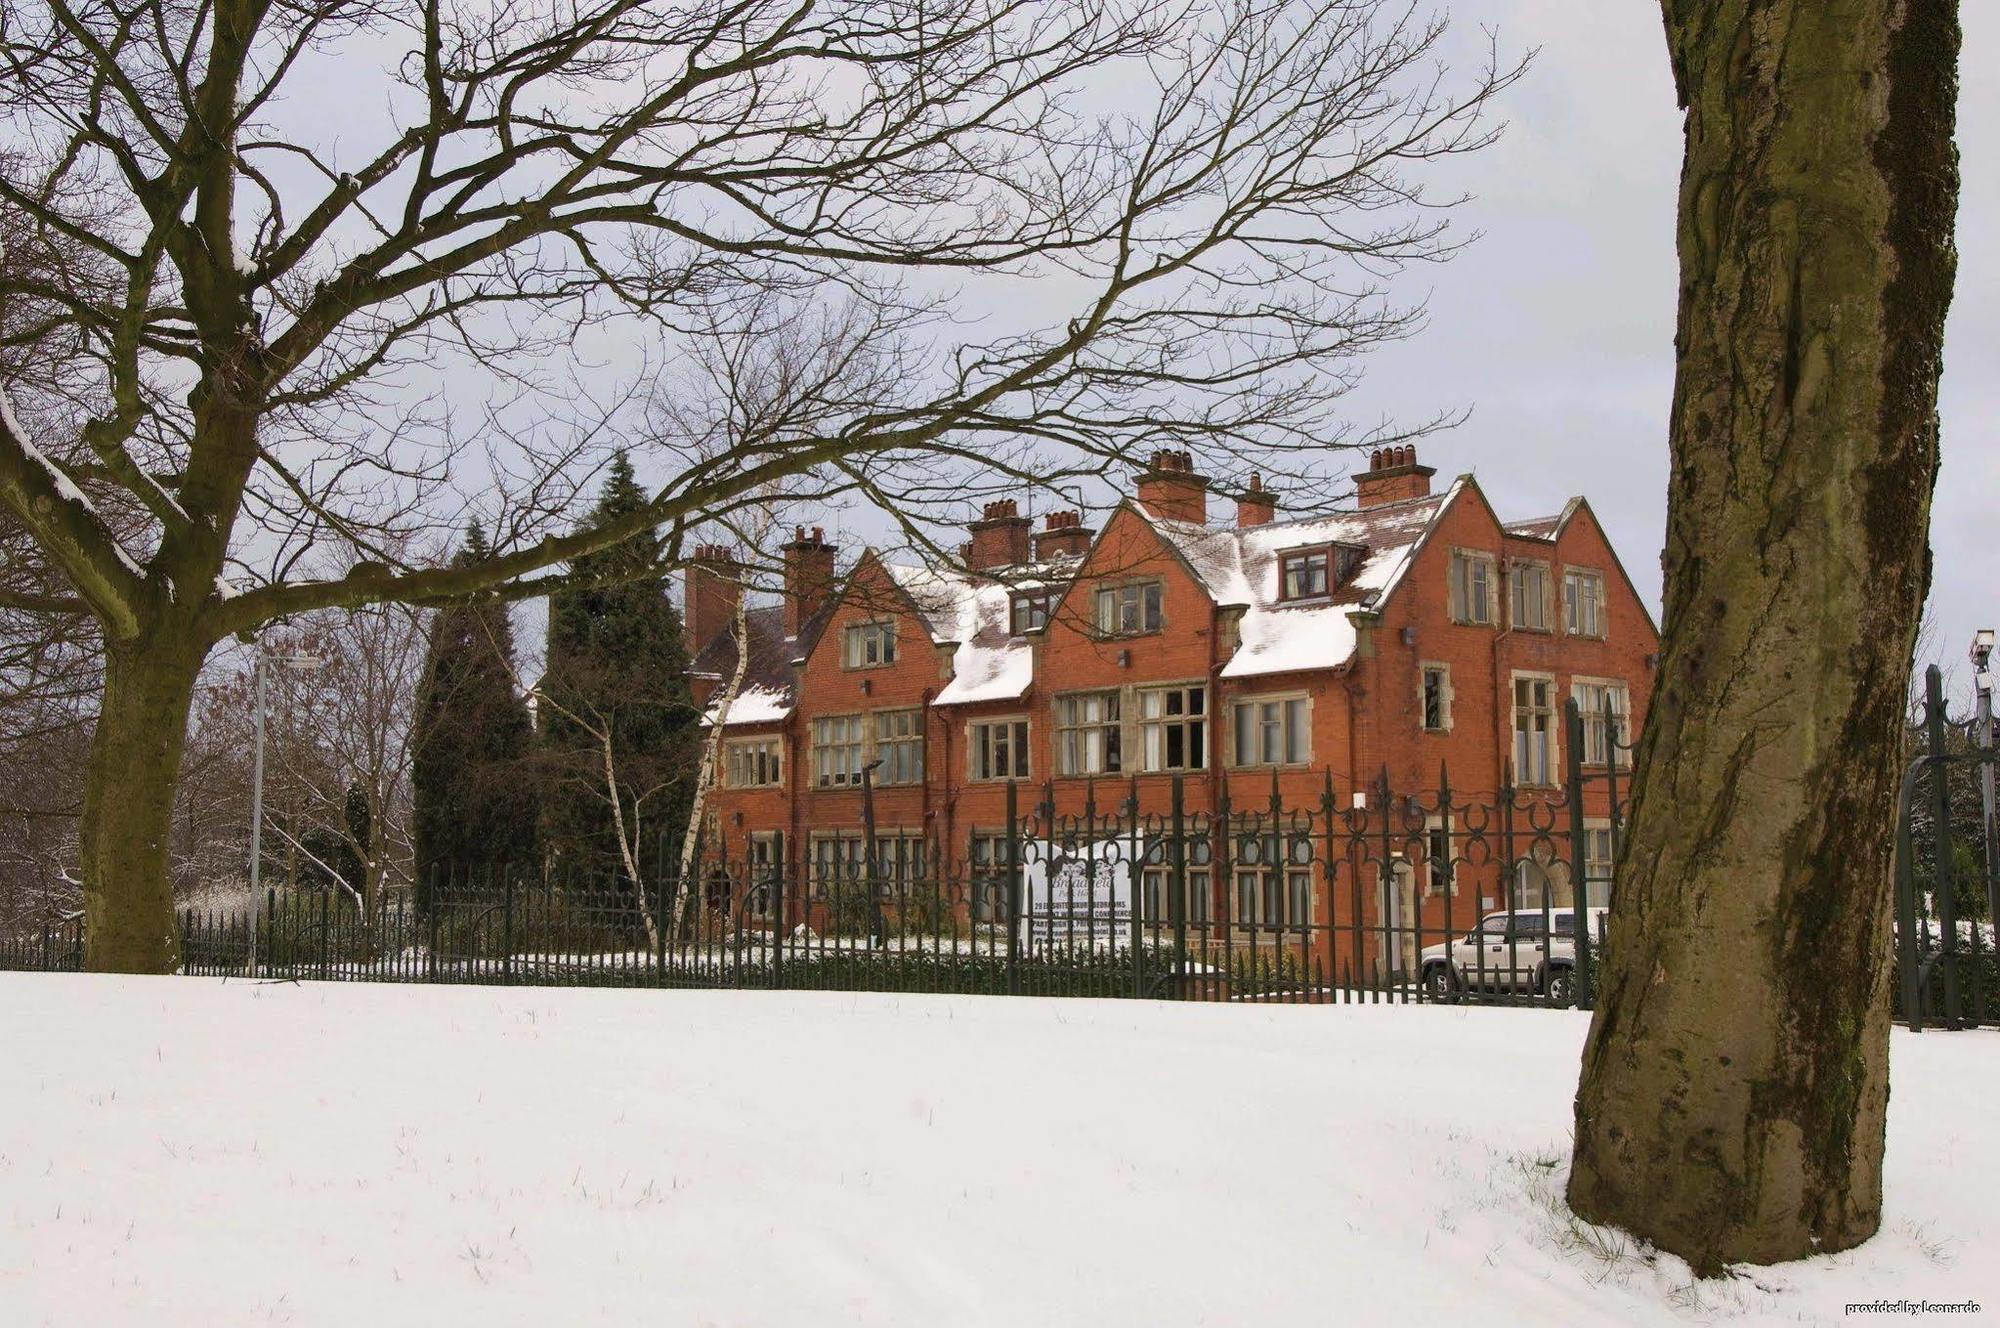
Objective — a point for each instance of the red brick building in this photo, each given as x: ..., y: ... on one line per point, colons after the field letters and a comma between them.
x: 1194, y: 639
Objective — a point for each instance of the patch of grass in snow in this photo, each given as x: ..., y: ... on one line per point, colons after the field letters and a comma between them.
x: 1937, y: 1249
x: 1609, y: 1252
x: 1606, y: 1255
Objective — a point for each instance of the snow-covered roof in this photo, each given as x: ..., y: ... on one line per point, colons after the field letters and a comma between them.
x: 1239, y: 569
x: 974, y: 614
x: 1543, y: 527
x: 767, y: 683
x: 761, y: 704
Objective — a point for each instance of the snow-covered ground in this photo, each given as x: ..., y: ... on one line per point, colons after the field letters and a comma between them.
x: 188, y: 1152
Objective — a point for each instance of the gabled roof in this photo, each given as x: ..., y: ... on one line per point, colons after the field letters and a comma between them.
x: 1544, y: 527
x: 970, y: 612
x: 767, y: 682
x: 1239, y: 569
x: 964, y: 610
x: 974, y: 614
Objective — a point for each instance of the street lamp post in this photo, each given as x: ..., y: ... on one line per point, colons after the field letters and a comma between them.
x: 877, y: 937
x: 299, y: 664
x: 1982, y: 737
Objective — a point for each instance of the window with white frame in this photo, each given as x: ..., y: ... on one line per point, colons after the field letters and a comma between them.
x: 1597, y: 862
x: 900, y: 858
x: 1583, y: 602
x: 998, y: 748
x: 1438, y: 865
x: 1088, y: 734
x: 835, y: 858
x: 1130, y: 609
x: 767, y: 858
x: 1159, y: 876
x: 1530, y: 595
x: 837, y: 751
x: 1542, y: 878
x: 1028, y: 613
x: 1602, y: 744
x: 754, y: 763
x: 899, y: 746
x: 870, y: 645
x: 1534, y: 730
x: 1271, y: 730
x: 1273, y: 877
x: 1471, y: 587
x: 1173, y: 728
x: 991, y: 861
x: 1434, y: 697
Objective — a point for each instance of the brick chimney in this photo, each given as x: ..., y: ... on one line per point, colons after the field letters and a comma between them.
x: 1256, y: 505
x: 1062, y: 535
x: 714, y: 585
x: 808, y: 577
x: 1169, y: 488
x: 1393, y: 476
x: 1000, y: 537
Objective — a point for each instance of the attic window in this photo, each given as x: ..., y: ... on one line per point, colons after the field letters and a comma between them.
x: 1306, y: 574
x: 1030, y: 613
x: 1313, y: 573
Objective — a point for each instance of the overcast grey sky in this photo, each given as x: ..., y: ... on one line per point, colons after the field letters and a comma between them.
x: 1557, y: 327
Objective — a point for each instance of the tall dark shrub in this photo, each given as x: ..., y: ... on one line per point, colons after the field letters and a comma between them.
x: 474, y: 802
x: 617, y: 662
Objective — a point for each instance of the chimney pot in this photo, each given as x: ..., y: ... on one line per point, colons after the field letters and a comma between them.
x: 1000, y: 538
x: 1256, y: 505
x: 710, y: 595
x: 1171, y: 490
x: 1393, y: 476
x: 1063, y: 535
x: 809, y: 567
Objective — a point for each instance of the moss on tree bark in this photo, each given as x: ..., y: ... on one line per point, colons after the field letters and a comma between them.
x: 1734, y: 1086
x: 128, y: 804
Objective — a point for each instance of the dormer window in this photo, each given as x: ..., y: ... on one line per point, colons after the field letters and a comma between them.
x: 1313, y: 573
x: 1029, y: 613
x: 1307, y: 574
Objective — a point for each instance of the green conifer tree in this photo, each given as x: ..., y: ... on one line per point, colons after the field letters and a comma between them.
x: 617, y: 662
x: 474, y: 803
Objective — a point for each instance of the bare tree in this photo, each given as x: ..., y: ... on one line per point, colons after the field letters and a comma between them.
x: 1734, y: 1087
x: 1211, y: 195
x: 352, y: 722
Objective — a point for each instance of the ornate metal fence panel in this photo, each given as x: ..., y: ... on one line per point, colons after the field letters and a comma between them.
x: 1947, y: 885
x: 1434, y: 895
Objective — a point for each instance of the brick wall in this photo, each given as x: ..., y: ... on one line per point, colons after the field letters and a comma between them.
x: 1366, y: 718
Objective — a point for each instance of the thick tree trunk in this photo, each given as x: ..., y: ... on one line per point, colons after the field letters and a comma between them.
x: 1734, y: 1085
x: 128, y: 904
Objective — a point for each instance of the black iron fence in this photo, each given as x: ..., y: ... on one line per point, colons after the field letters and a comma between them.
x: 1947, y: 879
x: 1386, y: 895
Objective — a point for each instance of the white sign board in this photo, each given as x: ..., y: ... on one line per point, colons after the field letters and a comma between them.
x: 1077, y: 895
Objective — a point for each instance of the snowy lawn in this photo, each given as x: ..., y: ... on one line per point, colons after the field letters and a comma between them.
x: 182, y: 1151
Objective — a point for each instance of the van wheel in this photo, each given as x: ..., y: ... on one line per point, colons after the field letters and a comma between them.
x: 1559, y: 987
x: 1439, y: 984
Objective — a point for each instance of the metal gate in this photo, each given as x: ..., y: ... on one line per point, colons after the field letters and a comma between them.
x: 1947, y: 891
